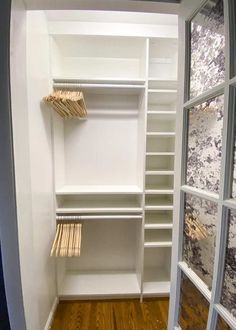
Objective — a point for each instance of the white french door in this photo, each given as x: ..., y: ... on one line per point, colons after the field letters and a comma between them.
x: 203, y: 278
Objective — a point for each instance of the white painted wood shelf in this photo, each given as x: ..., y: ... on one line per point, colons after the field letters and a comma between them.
x: 160, y: 134
x: 159, y: 172
x: 158, y: 238
x: 99, y: 189
x: 76, y: 285
x: 154, y: 289
x: 101, y: 81
x: 156, y: 282
x: 161, y: 113
x: 155, y: 82
x: 161, y: 191
x: 164, y: 153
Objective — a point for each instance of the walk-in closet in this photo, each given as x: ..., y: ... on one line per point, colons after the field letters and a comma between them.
x: 122, y: 136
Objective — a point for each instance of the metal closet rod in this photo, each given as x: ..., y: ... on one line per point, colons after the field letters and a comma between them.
x: 87, y: 85
x: 94, y: 217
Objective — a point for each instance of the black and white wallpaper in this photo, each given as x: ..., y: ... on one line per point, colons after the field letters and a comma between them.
x: 205, y: 123
x: 199, y: 236
x: 207, y: 48
x: 228, y: 299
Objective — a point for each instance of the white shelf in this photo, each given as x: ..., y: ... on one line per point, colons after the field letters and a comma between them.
x: 158, y: 238
x: 155, y: 82
x: 162, y: 96
x: 163, y: 207
x: 156, y: 278
x: 99, y: 189
x: 161, y: 134
x: 158, y: 220
x: 165, y: 113
x: 163, y: 172
x: 78, y: 285
x: 159, y: 191
x: 160, y: 153
x: 95, y: 203
x: 70, y: 210
x: 158, y: 226
x: 101, y: 81
x: 156, y: 288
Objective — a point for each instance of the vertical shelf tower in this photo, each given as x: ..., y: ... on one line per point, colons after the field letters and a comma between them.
x: 159, y: 165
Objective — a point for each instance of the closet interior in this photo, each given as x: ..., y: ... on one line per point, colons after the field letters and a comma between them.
x: 114, y: 168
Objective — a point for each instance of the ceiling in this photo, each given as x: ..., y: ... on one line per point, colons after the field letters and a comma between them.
x: 151, y: 6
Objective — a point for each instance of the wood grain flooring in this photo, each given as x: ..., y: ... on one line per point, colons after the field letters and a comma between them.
x: 127, y: 314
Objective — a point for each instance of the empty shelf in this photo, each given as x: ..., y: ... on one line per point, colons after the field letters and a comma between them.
x: 101, y: 81
x: 156, y: 276
x: 156, y: 288
x: 159, y: 202
x: 162, y: 96
x: 158, y: 238
x: 159, y: 191
x: 154, y: 82
x: 95, y: 203
x: 160, y: 134
x: 160, y: 153
x: 99, y: 189
x: 158, y: 220
x: 162, y: 113
x: 163, y: 172
x: 76, y: 285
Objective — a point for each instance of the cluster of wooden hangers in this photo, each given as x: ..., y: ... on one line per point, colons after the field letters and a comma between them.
x: 68, y: 104
x: 194, y: 229
x: 67, y: 241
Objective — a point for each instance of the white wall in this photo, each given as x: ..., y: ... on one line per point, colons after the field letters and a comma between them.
x: 40, y: 137
x: 33, y: 164
x: 22, y: 157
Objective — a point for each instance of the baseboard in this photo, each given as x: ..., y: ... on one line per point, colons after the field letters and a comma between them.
x: 51, y: 314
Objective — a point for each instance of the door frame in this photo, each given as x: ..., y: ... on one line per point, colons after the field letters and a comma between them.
x: 188, y: 9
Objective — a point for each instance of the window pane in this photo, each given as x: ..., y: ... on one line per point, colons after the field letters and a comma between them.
x: 228, y: 298
x: 205, y: 144
x: 199, y: 236
x: 207, y: 48
x: 221, y: 324
x: 193, y: 307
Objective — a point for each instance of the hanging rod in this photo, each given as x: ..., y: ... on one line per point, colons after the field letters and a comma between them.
x: 87, y: 85
x: 95, y: 217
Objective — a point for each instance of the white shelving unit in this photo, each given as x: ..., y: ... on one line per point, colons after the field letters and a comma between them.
x: 159, y: 167
x: 117, y: 164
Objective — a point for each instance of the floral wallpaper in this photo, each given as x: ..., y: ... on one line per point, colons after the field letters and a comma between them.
x: 205, y: 144
x: 199, y: 236
x: 207, y: 58
x: 194, y: 307
x: 228, y: 298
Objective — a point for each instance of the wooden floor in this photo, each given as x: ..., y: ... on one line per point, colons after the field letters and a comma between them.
x: 112, y: 315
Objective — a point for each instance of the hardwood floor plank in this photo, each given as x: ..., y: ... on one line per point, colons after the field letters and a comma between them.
x: 127, y: 314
